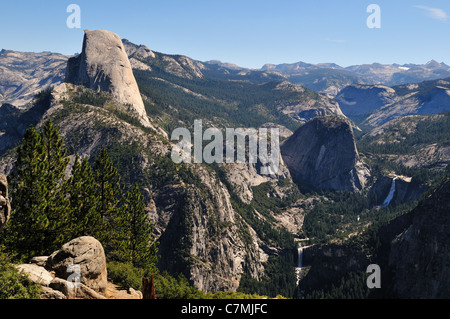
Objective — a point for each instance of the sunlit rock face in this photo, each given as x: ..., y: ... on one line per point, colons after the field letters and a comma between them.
x: 322, y: 155
x: 103, y: 65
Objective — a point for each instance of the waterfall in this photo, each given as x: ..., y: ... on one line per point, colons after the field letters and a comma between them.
x: 388, y: 199
x: 298, y: 269
x: 300, y: 257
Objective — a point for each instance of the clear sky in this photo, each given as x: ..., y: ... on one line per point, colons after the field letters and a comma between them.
x: 249, y: 33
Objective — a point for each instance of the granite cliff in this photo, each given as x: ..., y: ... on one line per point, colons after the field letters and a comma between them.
x: 375, y: 105
x: 322, y: 155
x: 103, y: 65
x: 360, y: 99
x: 419, y: 255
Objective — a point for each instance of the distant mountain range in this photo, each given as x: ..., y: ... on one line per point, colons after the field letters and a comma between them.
x: 369, y: 94
x: 331, y: 78
x: 23, y: 74
x: 377, y: 104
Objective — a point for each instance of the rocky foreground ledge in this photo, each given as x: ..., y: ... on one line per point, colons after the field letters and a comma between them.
x: 76, y: 271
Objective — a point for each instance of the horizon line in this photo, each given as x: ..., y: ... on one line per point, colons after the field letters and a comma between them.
x: 216, y: 61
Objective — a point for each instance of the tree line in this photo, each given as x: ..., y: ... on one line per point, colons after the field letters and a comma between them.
x: 54, y: 202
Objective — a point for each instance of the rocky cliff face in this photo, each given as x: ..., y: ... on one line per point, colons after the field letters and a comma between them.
x: 5, y: 207
x: 103, y: 65
x: 380, y: 104
x: 15, y: 121
x: 405, y: 189
x: 136, y: 53
x: 204, y: 238
x: 322, y: 155
x: 419, y: 256
x: 24, y: 74
x: 363, y: 99
x: 309, y: 106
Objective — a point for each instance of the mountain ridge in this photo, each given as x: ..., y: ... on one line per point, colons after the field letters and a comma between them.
x: 375, y: 105
x: 307, y: 74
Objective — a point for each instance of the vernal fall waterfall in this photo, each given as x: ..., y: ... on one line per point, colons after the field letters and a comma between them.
x: 299, y: 263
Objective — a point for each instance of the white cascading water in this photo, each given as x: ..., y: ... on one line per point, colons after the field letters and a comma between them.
x: 388, y: 199
x: 300, y: 257
x: 298, y: 269
x: 299, y: 263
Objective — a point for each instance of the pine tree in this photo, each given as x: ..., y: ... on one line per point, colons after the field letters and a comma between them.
x: 108, y: 191
x: 134, y: 240
x: 81, y: 189
x: 57, y: 204
x: 39, y: 219
x: 27, y: 224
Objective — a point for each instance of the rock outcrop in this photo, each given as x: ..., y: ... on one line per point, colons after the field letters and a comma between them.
x: 85, y: 252
x: 36, y: 273
x: 76, y: 271
x: 5, y: 207
x: 136, y: 53
x: 322, y: 155
x: 103, y: 65
x: 419, y: 256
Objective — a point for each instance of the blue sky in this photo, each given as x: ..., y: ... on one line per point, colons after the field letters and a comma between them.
x: 247, y: 32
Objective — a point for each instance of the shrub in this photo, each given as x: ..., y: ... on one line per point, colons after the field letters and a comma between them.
x: 168, y: 287
x: 234, y: 295
x: 13, y: 284
x: 125, y: 275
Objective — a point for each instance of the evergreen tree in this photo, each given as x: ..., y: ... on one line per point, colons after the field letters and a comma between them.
x: 57, y: 204
x: 81, y: 188
x: 39, y: 216
x: 27, y: 224
x: 108, y: 191
x: 134, y: 239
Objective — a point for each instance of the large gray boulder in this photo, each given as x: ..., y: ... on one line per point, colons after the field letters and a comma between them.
x: 85, y: 254
x: 74, y: 292
x: 103, y: 65
x: 5, y: 207
x: 322, y: 155
x: 50, y: 293
x: 36, y: 274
